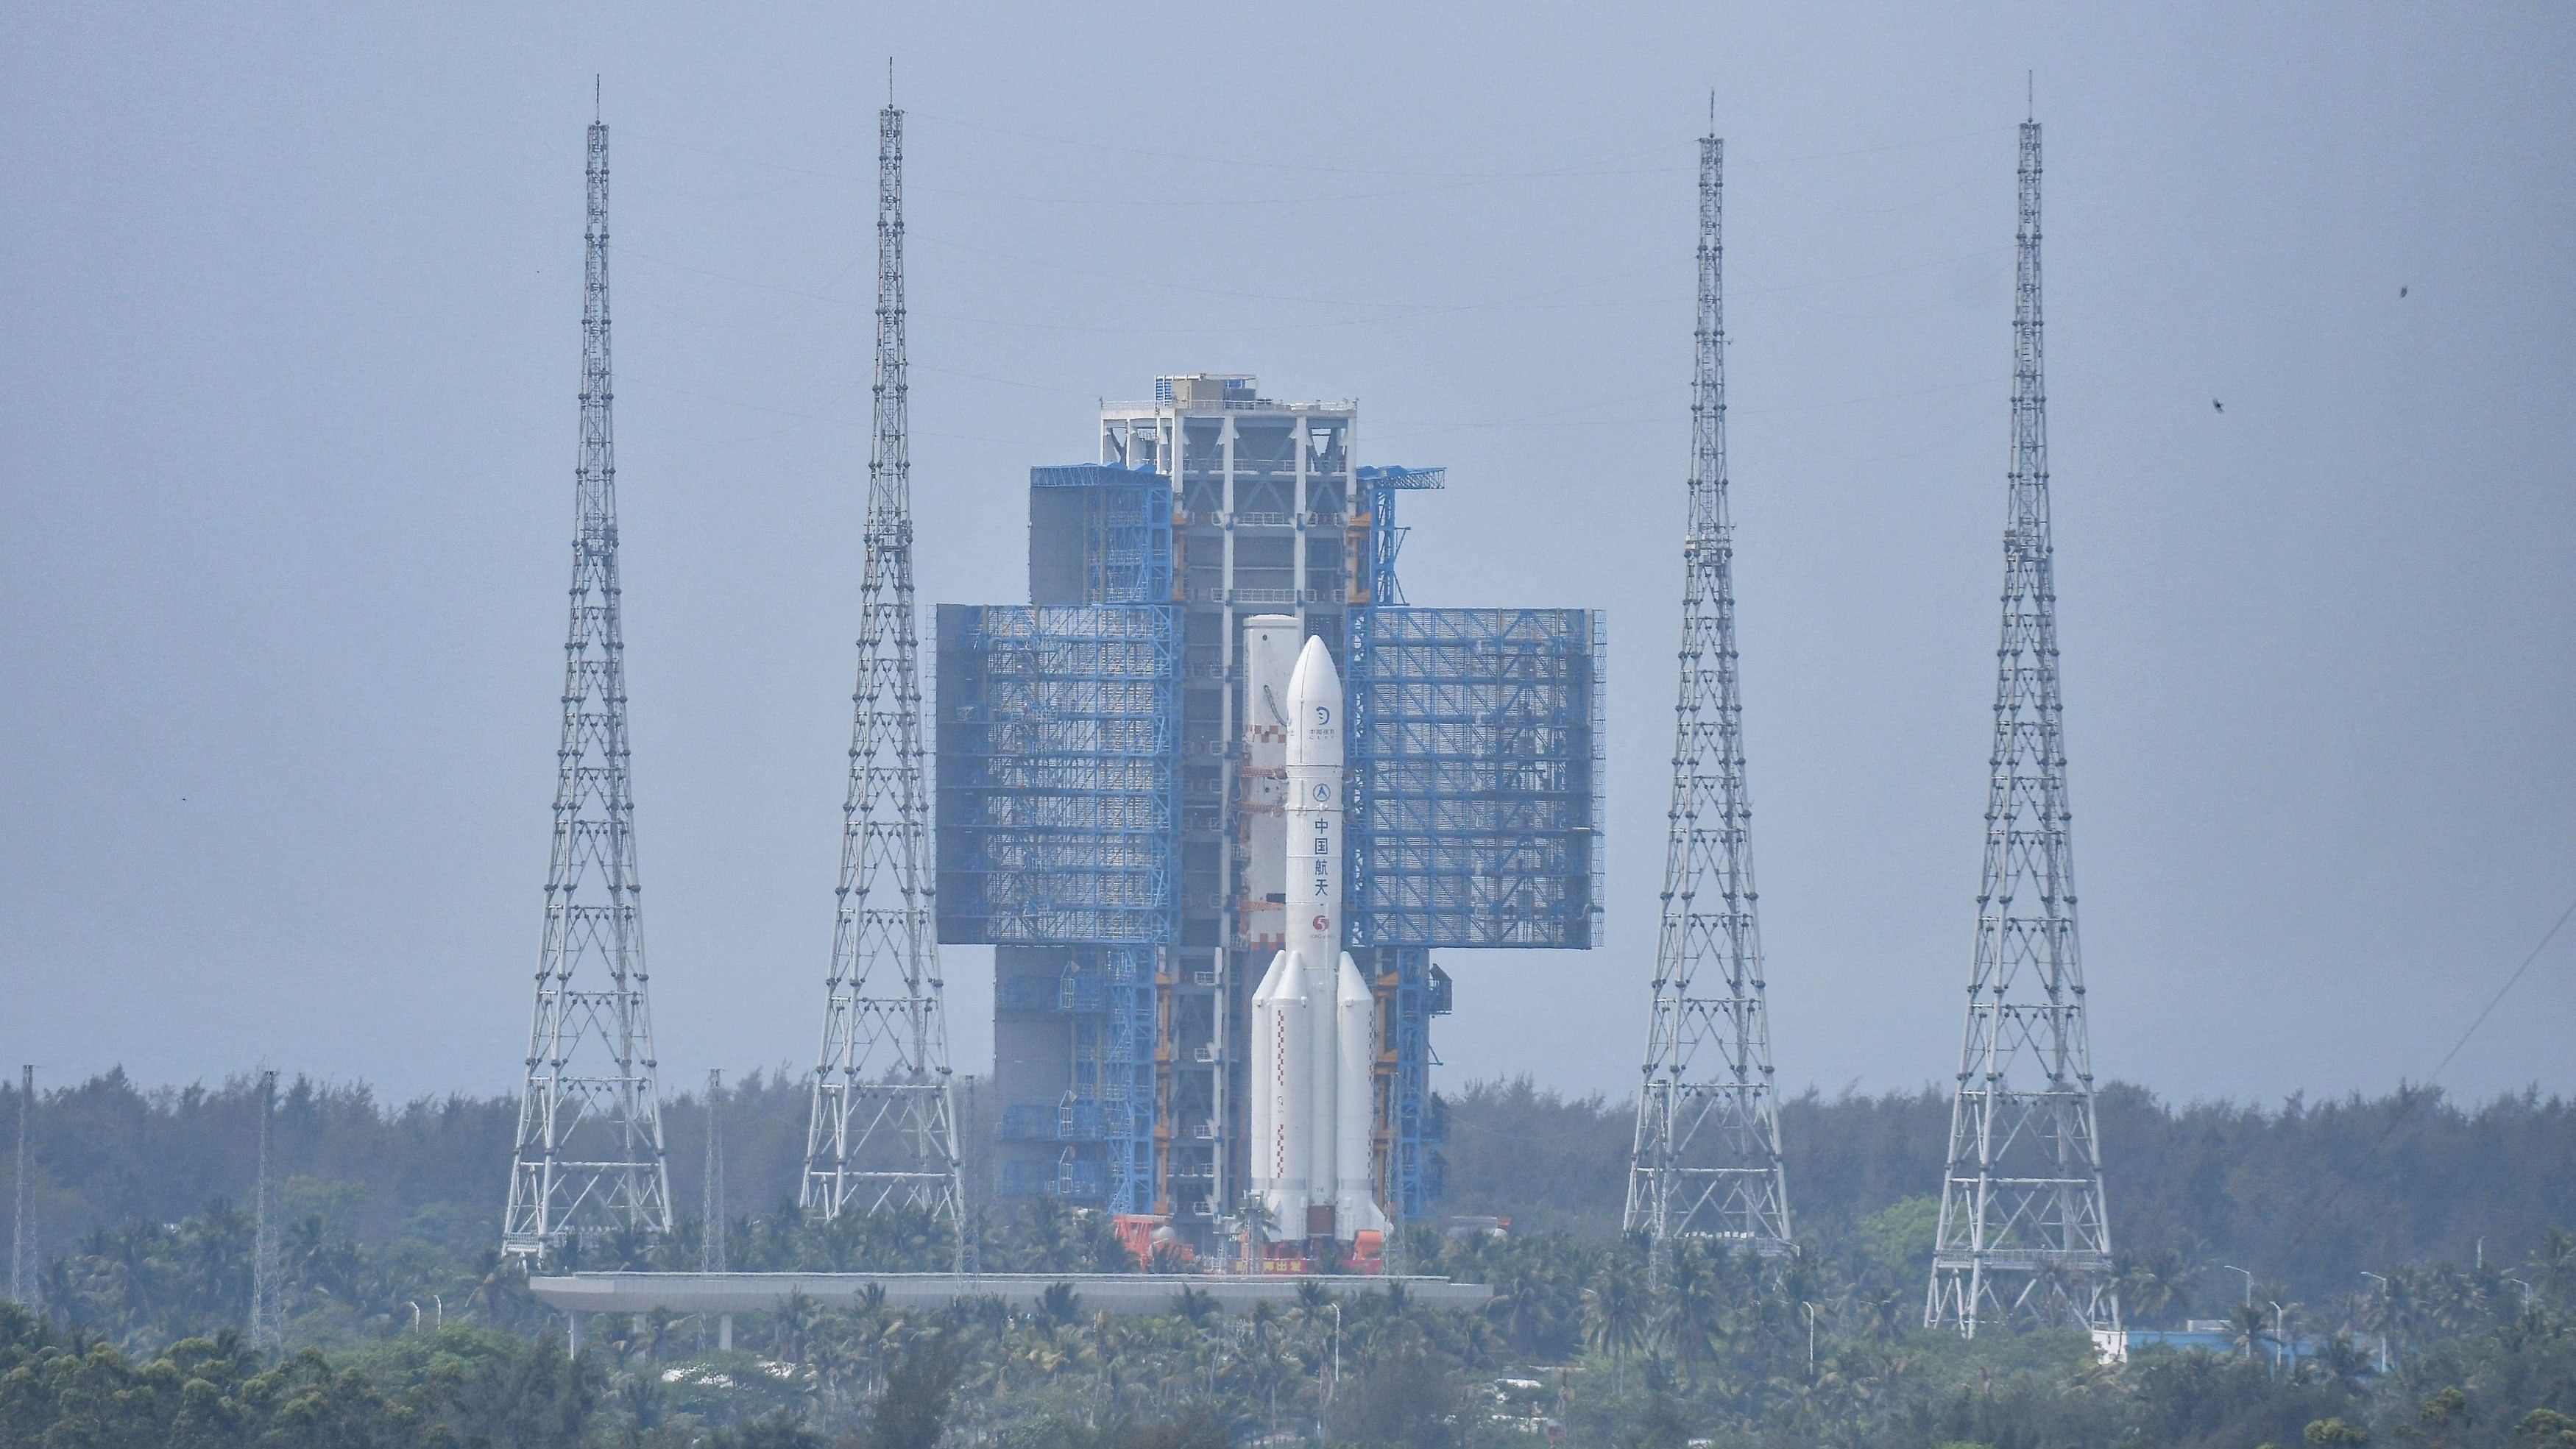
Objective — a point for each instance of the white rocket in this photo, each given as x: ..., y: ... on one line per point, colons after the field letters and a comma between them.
x: 1313, y: 1019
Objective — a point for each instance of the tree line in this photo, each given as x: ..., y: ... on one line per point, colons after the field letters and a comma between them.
x: 2309, y: 1195
x: 1581, y: 1341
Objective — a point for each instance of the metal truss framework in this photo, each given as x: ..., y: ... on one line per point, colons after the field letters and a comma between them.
x: 1707, y: 1157
x: 1412, y: 1126
x: 1475, y: 747
x: 883, y: 1133
x: 2024, y: 1236
x: 589, y: 1160
x: 1410, y: 990
x: 1060, y: 804
x: 1126, y: 529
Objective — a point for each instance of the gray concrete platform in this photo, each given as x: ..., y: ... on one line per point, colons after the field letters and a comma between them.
x: 1098, y: 1292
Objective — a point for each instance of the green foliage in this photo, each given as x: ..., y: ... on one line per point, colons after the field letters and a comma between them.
x: 213, y: 1393
x: 1898, y: 1238
x: 914, y: 1408
x: 137, y: 1344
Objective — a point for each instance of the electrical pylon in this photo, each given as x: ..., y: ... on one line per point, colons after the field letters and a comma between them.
x: 590, y: 1162
x: 883, y: 1134
x: 1707, y: 1157
x: 2024, y: 1236
x: 267, y: 1308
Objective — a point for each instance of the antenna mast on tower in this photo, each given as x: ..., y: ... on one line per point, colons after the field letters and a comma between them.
x: 2024, y: 1236
x: 589, y: 1160
x: 883, y: 1135
x: 1707, y: 1156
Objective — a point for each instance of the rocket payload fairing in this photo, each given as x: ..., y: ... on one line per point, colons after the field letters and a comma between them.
x: 1313, y: 1019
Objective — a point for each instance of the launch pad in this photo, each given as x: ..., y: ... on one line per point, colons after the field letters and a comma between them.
x: 1120, y: 1293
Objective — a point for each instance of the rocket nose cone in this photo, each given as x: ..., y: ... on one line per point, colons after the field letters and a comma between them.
x: 1315, y: 670
x: 1315, y: 706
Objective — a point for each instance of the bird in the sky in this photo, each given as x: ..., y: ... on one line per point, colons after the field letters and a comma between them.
x: 2401, y: 291
x: 2217, y: 406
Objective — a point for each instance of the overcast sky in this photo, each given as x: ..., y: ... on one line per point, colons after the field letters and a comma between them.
x: 292, y: 318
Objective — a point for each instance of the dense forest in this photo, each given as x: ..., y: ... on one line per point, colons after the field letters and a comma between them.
x: 406, y: 1328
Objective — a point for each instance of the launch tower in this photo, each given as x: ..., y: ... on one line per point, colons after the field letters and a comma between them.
x: 1096, y: 817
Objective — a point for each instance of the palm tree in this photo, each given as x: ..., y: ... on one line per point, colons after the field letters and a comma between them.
x: 1195, y: 1307
x: 1694, y: 1314
x: 1615, y: 1318
x: 1259, y: 1222
x: 2150, y: 1285
x: 797, y: 1324
x: 2248, y: 1328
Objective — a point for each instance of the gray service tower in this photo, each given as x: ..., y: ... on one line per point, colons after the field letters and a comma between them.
x: 1101, y: 787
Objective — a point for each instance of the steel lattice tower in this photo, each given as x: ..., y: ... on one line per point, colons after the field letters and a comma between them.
x: 590, y: 1159
x: 1707, y: 1155
x: 884, y: 1127
x: 2024, y: 1236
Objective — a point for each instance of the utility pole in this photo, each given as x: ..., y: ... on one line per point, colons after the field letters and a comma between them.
x: 589, y: 1161
x: 2024, y: 1235
x: 711, y: 1246
x: 267, y: 1310
x: 883, y: 1133
x: 711, y: 1242
x: 21, y: 1272
x: 1706, y: 1161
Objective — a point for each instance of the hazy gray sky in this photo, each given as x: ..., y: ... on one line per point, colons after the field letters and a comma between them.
x: 291, y: 301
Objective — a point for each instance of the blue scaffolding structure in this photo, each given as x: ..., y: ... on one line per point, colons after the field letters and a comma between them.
x: 1476, y: 759
x: 1410, y: 1129
x: 1064, y: 743
x: 1123, y: 516
x: 1475, y: 746
x: 1059, y: 805
x: 1479, y: 756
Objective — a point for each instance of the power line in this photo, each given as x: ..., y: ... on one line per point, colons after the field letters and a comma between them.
x: 2407, y: 1101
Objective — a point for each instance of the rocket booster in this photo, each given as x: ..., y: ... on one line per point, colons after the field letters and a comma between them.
x: 1314, y: 1018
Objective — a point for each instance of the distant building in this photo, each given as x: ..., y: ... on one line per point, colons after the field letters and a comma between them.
x: 1095, y: 818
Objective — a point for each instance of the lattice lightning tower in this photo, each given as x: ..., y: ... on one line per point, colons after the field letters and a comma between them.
x: 2024, y: 1236
x: 1707, y: 1155
x: 590, y: 1160
x: 884, y: 1127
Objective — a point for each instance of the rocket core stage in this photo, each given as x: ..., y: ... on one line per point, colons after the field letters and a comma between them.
x: 1313, y: 1019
